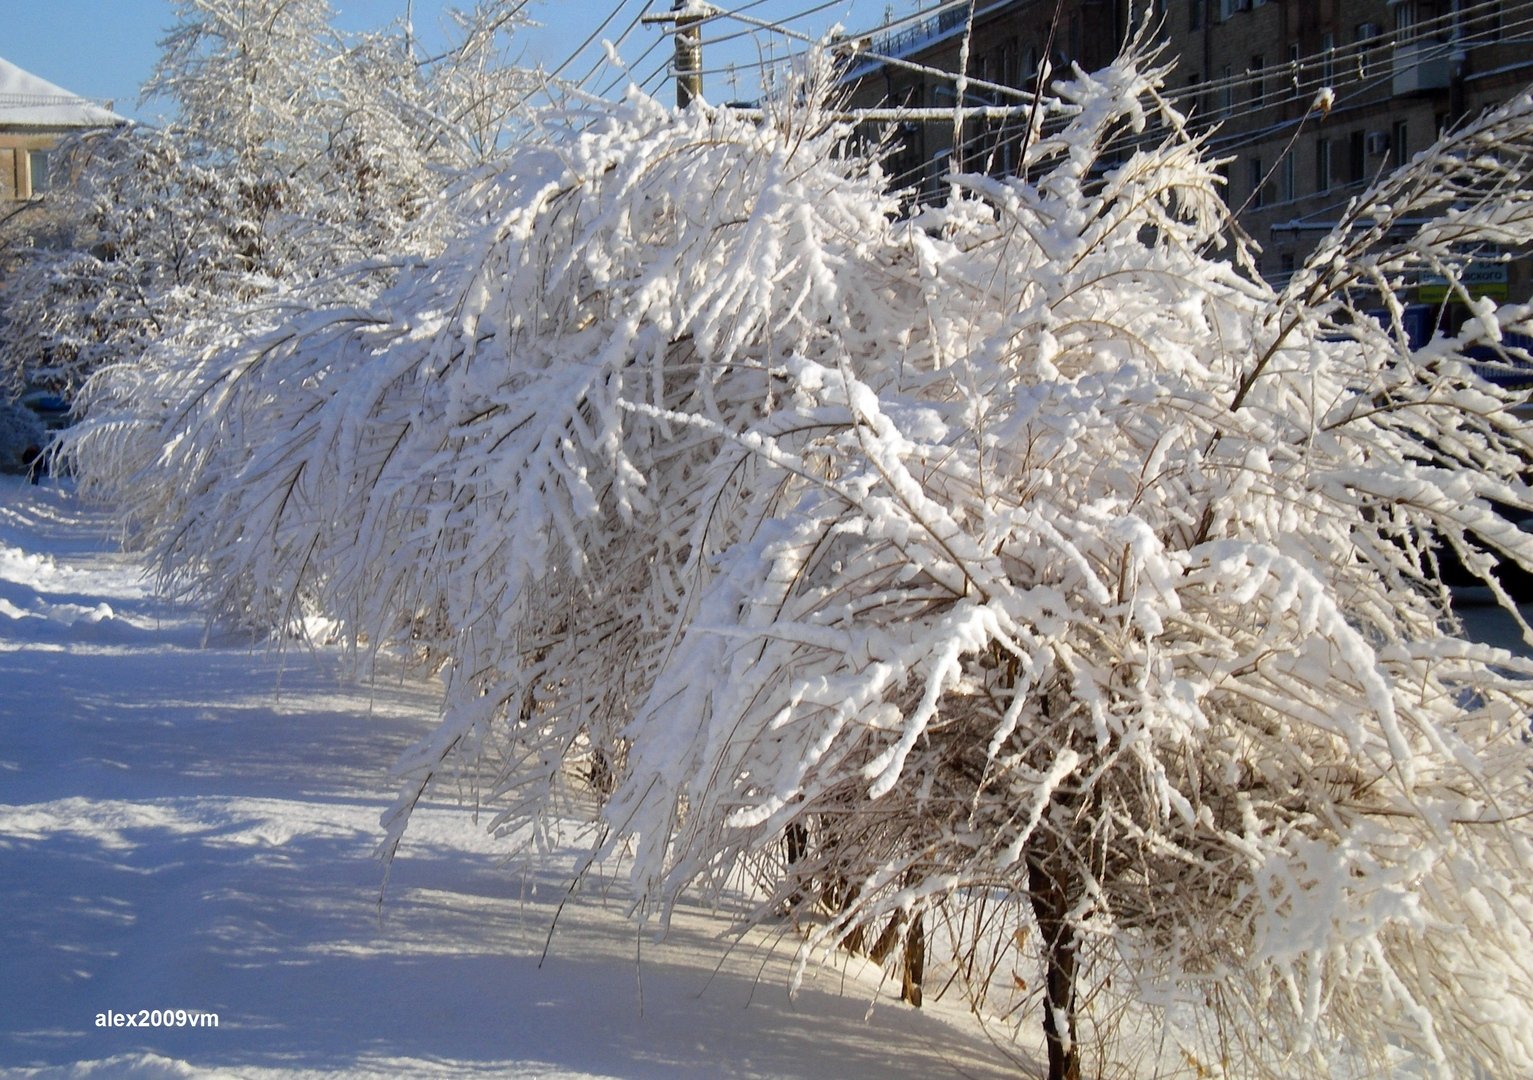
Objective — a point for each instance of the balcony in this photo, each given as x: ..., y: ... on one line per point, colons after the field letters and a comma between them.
x: 1421, y: 68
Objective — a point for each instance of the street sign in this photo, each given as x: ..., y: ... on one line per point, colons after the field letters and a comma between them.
x: 1478, y: 279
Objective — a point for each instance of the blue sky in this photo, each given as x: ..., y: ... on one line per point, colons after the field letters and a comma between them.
x: 106, y: 48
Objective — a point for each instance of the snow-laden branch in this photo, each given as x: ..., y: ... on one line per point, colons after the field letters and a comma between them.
x: 1022, y: 557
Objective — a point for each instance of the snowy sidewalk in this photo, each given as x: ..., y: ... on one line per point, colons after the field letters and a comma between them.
x: 191, y: 827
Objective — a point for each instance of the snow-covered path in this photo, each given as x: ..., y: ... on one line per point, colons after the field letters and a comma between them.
x: 191, y: 826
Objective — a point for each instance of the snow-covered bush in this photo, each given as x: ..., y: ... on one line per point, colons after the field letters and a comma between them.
x: 1031, y: 566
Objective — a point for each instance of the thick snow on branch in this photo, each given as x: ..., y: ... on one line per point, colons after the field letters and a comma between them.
x: 1025, y: 553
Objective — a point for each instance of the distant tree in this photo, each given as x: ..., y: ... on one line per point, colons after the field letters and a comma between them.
x: 293, y: 152
x: 154, y: 239
x: 1045, y: 578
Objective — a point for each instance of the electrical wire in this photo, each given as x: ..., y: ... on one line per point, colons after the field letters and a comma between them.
x: 764, y: 64
x: 617, y: 44
x: 626, y: 75
x: 593, y: 35
x: 750, y: 31
x: 868, y: 55
x: 1305, y: 87
x: 713, y: 16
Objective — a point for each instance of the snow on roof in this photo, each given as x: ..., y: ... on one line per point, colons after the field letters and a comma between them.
x: 29, y: 101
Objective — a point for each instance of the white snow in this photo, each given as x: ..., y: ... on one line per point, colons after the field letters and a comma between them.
x: 190, y: 823
x: 29, y: 101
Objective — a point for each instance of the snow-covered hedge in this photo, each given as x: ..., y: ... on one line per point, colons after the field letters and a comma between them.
x: 1032, y: 565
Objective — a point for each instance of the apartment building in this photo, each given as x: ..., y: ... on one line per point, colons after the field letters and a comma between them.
x: 1400, y: 71
x: 1248, y: 72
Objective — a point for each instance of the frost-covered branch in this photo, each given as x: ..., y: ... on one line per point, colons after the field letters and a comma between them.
x: 1021, y: 557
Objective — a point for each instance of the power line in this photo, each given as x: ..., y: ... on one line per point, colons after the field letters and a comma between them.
x: 627, y: 74
x: 723, y: 14
x: 852, y: 48
x: 1297, y: 76
x: 1308, y: 70
x: 1312, y: 68
x: 593, y: 35
x: 618, y: 44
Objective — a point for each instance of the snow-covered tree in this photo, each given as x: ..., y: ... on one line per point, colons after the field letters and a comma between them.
x: 155, y: 238
x: 342, y: 132
x: 294, y: 151
x: 1062, y: 593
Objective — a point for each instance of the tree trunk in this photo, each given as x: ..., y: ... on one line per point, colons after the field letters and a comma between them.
x: 915, y: 962
x: 795, y: 847
x: 911, y: 936
x: 1048, y: 884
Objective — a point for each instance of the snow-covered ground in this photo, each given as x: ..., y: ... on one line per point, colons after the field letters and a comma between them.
x: 190, y: 825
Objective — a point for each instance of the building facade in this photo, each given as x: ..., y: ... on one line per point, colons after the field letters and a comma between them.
x: 1011, y: 42
x: 1401, y: 72
x: 1247, y: 73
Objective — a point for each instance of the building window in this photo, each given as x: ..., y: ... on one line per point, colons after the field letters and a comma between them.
x: 1295, y: 71
x: 1005, y: 163
x: 1029, y: 66
x: 1328, y: 59
x: 1487, y: 26
x: 1285, y: 178
x: 1399, y: 142
x: 1254, y: 168
x: 37, y: 169
x: 1322, y: 165
x: 1226, y: 91
x: 1193, y: 103
x: 1366, y: 37
x: 1195, y: 14
x: 1357, y: 156
x: 1258, y: 78
x: 938, y: 169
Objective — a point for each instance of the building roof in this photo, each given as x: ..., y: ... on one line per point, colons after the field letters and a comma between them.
x: 27, y: 101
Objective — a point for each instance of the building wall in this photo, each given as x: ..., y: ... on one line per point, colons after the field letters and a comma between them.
x: 19, y: 159
x: 1247, y: 73
x: 1399, y: 76
x: 1012, y: 40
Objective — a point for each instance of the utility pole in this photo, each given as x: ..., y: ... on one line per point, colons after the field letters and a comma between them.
x: 686, y: 18
x: 1457, y: 62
